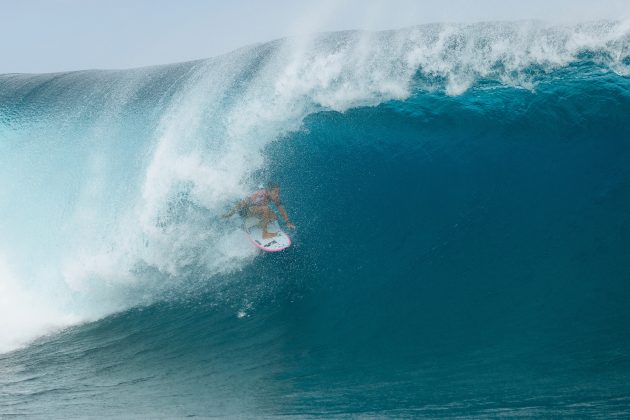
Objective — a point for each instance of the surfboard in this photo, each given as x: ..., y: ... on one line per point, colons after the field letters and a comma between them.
x: 279, y: 242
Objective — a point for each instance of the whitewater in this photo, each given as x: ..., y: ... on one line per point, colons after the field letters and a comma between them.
x: 461, y: 194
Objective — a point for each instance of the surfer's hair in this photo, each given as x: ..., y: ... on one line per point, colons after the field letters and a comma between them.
x: 272, y: 185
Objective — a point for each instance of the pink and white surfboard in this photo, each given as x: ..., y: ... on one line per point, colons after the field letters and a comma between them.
x: 279, y: 242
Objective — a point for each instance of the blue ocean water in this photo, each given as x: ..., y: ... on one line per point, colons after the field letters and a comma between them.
x: 462, y: 202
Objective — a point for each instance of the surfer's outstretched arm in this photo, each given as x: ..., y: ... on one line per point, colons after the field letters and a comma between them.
x: 274, y: 195
x: 285, y: 216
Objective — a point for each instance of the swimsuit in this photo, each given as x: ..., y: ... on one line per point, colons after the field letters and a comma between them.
x: 258, y: 198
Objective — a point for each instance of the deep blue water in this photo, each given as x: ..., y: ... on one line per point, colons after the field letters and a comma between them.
x: 458, y: 253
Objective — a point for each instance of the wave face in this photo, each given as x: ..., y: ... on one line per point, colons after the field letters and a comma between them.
x: 461, y: 194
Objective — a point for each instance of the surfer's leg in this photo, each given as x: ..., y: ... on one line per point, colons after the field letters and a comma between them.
x: 266, y: 216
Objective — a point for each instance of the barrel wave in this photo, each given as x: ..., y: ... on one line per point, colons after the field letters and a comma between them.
x: 462, y: 202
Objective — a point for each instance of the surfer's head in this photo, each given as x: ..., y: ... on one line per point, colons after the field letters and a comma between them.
x: 273, y: 189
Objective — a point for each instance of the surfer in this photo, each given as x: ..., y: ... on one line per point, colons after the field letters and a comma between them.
x: 257, y: 205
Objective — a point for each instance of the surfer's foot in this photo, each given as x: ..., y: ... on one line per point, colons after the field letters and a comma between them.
x: 267, y: 235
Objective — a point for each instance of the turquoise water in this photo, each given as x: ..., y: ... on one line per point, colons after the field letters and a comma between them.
x: 462, y: 198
